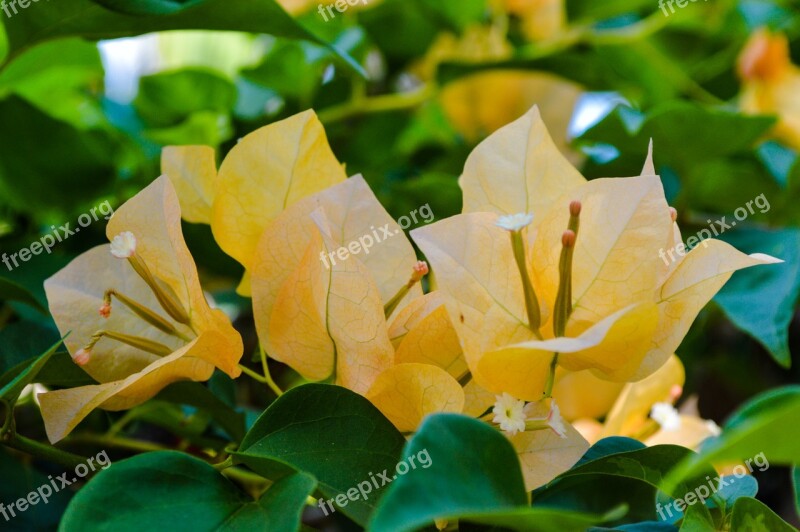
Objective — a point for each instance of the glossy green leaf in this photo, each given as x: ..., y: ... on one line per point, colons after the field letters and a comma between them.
x: 752, y: 515
x: 147, y: 7
x: 761, y: 301
x: 756, y: 434
x: 167, y: 98
x: 329, y: 432
x: 168, y: 487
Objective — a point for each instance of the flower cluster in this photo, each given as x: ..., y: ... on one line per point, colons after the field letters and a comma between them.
x: 544, y: 276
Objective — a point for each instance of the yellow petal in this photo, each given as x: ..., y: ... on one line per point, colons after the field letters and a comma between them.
x: 691, y: 433
x: 477, y: 400
x: 427, y: 336
x: 624, y: 223
x: 354, y: 215
x: 544, y: 455
x: 582, y: 395
x: 694, y: 282
x: 406, y: 393
x: 193, y: 172
x: 264, y: 173
x: 297, y: 332
x: 636, y: 400
x: 473, y: 264
x: 62, y: 410
x: 518, y: 169
x: 472, y: 106
x: 522, y: 369
x: 355, y: 319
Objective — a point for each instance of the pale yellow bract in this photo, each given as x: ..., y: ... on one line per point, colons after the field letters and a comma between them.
x: 129, y: 376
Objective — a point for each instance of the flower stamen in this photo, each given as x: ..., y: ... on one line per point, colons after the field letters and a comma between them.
x: 419, y: 270
x: 82, y: 356
x: 514, y: 224
x: 140, y: 310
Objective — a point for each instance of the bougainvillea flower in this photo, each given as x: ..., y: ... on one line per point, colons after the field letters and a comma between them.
x: 583, y: 286
x: 771, y: 83
x: 267, y: 171
x: 137, y: 316
x: 326, y: 279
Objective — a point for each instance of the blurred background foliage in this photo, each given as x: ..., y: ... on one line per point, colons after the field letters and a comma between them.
x: 90, y: 91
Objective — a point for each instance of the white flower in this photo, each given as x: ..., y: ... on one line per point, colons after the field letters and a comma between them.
x: 509, y: 413
x: 123, y: 245
x: 665, y: 415
x: 514, y: 222
x: 555, y: 420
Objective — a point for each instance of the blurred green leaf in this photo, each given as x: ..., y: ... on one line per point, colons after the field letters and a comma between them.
x: 758, y: 429
x: 196, y: 395
x: 11, y: 391
x: 22, y: 341
x: 19, y: 479
x: 329, y: 432
x: 147, y: 7
x: 751, y: 515
x: 761, y: 301
x: 11, y: 291
x: 167, y: 98
x: 726, y: 496
x: 85, y: 18
x: 62, y: 79
x: 150, y: 490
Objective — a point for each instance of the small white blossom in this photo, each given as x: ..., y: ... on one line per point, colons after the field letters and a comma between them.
x: 123, y: 245
x: 665, y: 415
x: 555, y: 420
x: 509, y: 413
x: 514, y: 222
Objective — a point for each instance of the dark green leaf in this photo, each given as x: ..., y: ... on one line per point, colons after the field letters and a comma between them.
x: 196, y: 395
x: 10, y: 392
x: 329, y: 432
x: 150, y: 490
x: 761, y: 301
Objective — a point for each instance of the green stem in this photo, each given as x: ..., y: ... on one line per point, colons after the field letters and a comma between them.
x: 267, y: 375
x: 377, y: 104
x: 45, y: 452
x: 116, y: 442
x: 551, y: 377
x: 531, y: 301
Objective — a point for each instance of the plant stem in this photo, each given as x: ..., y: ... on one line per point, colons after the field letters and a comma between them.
x: 267, y: 376
x: 43, y: 451
x: 551, y: 377
x: 377, y: 104
x: 116, y: 441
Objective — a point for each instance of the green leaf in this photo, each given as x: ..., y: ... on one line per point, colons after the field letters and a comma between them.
x: 796, y: 486
x: 630, y: 477
x: 10, y: 392
x: 751, y: 515
x: 735, y: 489
x: 162, y: 488
x: 147, y: 7
x: 196, y: 395
x: 11, y: 291
x: 761, y: 301
x: 756, y: 433
x: 60, y: 79
x: 329, y: 432
x: 19, y: 479
x: 481, y: 483
x: 84, y: 18
x: 168, y: 98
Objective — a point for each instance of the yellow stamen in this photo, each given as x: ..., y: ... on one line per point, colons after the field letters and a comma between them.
x: 140, y: 310
x: 531, y: 301
x: 134, y: 341
x: 420, y: 270
x: 166, y: 297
